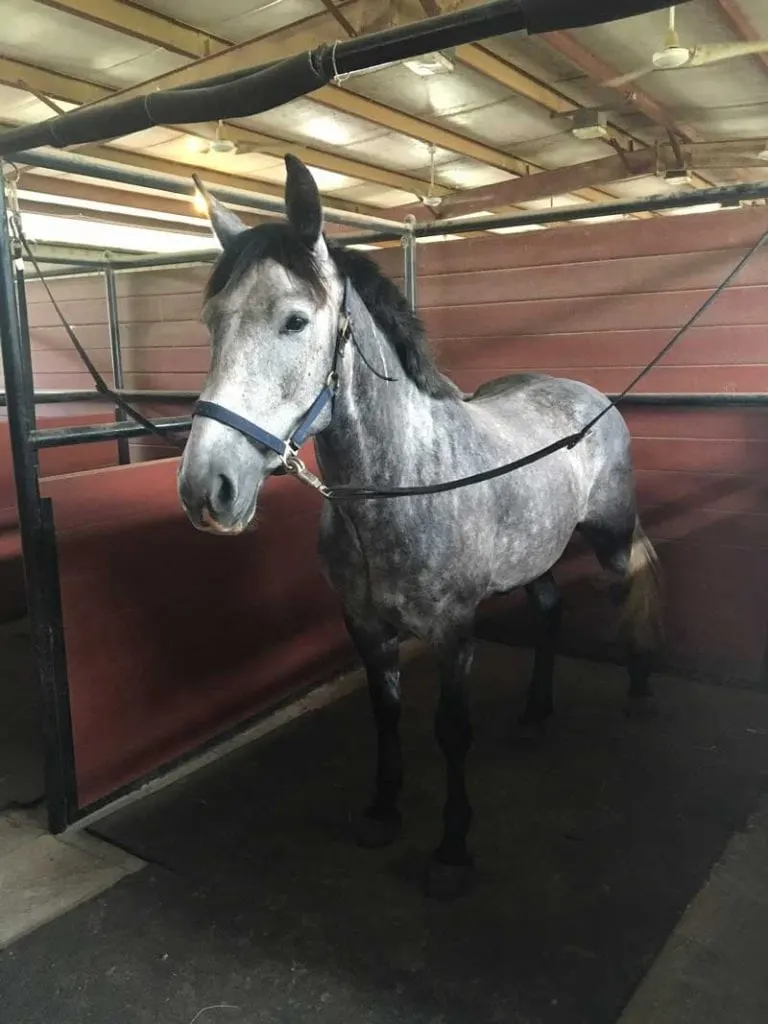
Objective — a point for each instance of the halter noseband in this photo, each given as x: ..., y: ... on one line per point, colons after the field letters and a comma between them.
x: 288, y: 449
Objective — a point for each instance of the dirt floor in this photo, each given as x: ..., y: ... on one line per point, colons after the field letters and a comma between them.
x: 256, y: 906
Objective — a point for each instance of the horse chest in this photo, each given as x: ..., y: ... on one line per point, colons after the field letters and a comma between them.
x: 405, y: 565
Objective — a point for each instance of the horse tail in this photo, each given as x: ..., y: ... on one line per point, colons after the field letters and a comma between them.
x: 641, y: 608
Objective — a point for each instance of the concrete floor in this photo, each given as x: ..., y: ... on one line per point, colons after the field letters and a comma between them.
x: 595, y: 857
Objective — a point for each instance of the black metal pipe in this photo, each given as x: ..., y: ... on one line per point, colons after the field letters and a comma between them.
x: 60, y: 437
x: 63, y: 397
x: 116, y: 358
x: 708, y: 400
x: 38, y: 551
x: 409, y: 267
x: 23, y: 315
x: 168, y: 260
x: 66, y: 261
x: 271, y: 85
x: 725, y: 195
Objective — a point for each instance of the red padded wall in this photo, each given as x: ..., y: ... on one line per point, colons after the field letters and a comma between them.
x: 173, y: 636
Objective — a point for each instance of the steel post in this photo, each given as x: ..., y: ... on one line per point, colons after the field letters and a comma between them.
x: 116, y: 355
x: 38, y: 550
x: 409, y: 261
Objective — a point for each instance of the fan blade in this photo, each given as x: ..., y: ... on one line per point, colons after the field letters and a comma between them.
x: 631, y: 76
x: 724, y: 51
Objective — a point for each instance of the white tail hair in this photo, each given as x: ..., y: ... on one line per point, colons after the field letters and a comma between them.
x: 641, y: 608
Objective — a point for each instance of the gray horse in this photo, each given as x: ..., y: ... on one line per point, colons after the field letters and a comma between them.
x: 313, y: 340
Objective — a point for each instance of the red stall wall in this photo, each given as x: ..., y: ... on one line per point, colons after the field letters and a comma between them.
x: 596, y: 303
x: 173, y: 636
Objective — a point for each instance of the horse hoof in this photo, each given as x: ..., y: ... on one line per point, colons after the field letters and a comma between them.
x: 447, y: 882
x: 374, y: 833
x: 641, y: 708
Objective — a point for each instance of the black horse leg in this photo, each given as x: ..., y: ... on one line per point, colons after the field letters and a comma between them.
x: 539, y: 705
x: 449, y: 871
x: 379, y: 649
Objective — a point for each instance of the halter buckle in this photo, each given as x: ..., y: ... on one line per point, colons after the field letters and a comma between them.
x: 296, y: 467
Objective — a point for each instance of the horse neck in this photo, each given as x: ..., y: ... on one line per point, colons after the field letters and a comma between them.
x: 382, y: 430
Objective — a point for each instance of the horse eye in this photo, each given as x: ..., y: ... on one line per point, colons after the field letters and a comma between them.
x: 295, y: 323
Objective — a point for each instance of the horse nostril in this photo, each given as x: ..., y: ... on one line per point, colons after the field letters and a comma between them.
x: 223, y: 494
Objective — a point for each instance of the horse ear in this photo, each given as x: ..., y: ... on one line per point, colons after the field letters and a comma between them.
x: 225, y: 223
x: 303, y: 205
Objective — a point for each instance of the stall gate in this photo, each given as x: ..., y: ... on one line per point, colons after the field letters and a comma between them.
x: 173, y: 637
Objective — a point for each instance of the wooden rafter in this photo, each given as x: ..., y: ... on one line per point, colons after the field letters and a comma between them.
x: 737, y: 20
x: 563, y: 181
x: 141, y: 23
x: 47, y: 185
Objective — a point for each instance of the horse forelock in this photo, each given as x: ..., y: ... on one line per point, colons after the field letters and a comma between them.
x: 278, y: 242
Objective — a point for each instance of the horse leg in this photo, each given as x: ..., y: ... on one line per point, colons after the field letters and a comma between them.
x: 379, y: 649
x: 449, y: 871
x: 629, y: 555
x: 539, y: 705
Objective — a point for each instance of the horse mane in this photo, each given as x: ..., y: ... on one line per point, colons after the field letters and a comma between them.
x: 381, y: 296
x: 400, y: 324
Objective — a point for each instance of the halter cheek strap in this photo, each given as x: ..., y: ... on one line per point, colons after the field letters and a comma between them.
x: 287, y: 449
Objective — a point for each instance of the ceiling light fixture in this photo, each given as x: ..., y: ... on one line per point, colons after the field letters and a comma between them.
x: 589, y: 124
x: 438, y: 63
x: 676, y: 176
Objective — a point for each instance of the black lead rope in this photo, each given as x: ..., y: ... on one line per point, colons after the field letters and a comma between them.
x: 347, y: 492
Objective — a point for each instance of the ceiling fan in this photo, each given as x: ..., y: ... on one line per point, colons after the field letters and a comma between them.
x: 430, y: 200
x: 672, y: 56
x: 222, y: 146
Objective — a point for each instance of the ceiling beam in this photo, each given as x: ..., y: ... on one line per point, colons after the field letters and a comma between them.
x: 563, y: 181
x: 741, y: 26
x: 73, y: 90
x: 46, y: 185
x: 140, y: 23
x: 49, y: 83
x: 39, y: 205
x: 723, y: 155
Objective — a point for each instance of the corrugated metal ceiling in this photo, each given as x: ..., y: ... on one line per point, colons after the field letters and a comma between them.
x: 724, y: 102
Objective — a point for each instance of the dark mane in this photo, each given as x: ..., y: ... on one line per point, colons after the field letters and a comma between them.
x: 383, y: 299
x: 404, y: 329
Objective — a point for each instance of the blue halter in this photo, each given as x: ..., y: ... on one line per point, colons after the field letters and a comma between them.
x: 287, y: 449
